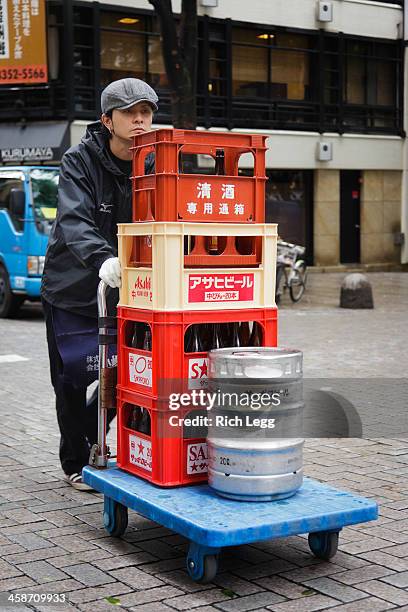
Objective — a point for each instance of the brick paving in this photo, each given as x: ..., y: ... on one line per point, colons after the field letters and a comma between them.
x: 52, y: 539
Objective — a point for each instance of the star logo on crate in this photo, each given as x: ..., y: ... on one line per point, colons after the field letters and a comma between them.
x: 141, y: 448
x: 203, y: 368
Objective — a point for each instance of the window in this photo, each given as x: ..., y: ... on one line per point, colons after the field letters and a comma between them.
x: 271, y: 64
x: 11, y: 181
x: 290, y: 66
x: 123, y: 47
x: 272, y: 76
x: 370, y: 88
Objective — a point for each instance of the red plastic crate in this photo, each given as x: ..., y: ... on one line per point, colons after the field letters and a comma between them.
x: 151, y: 372
x: 169, y: 195
x: 165, y: 458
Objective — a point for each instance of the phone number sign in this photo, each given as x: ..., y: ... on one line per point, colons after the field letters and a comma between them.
x: 23, y: 52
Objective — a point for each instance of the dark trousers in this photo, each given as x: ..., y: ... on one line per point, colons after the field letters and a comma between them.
x: 77, y: 417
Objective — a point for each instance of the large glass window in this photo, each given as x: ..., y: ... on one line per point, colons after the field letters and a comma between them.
x: 249, y: 63
x: 123, y: 47
x: 271, y: 64
x: 370, y: 88
x: 290, y: 66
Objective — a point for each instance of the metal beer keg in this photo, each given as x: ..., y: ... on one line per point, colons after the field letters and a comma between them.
x: 255, y: 448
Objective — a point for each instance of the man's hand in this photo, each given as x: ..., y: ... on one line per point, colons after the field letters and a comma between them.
x: 110, y: 272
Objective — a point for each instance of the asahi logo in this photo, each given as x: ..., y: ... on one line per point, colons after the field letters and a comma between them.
x: 27, y: 154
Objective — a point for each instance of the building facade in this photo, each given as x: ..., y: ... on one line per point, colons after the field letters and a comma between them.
x: 325, y: 81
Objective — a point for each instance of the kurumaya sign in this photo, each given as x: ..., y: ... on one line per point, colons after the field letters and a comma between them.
x: 23, y: 50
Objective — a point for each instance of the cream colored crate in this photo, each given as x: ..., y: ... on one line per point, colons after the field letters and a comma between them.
x: 168, y: 285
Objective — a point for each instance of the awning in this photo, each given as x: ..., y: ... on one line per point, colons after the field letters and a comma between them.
x: 42, y: 141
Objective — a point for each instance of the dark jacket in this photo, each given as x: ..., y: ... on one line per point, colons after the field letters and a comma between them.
x: 93, y: 196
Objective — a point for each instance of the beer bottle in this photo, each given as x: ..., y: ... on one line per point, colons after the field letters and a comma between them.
x: 134, y: 343
x: 235, y: 340
x: 147, y: 340
x: 219, y: 161
x: 220, y: 170
x: 194, y: 344
x: 244, y: 333
x: 144, y: 423
x: 216, y: 338
x: 256, y: 335
x: 135, y: 417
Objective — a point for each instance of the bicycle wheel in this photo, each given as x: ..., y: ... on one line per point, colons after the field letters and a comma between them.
x: 278, y: 286
x: 297, y: 283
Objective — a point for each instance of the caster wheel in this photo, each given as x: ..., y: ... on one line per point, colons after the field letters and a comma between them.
x: 323, y: 544
x: 209, y: 569
x: 115, y: 518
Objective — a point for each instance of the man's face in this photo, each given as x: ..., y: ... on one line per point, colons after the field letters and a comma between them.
x: 132, y: 121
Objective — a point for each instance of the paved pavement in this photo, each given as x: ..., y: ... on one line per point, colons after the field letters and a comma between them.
x: 52, y: 540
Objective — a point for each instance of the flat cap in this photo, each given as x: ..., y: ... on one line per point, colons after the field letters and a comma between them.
x: 125, y: 93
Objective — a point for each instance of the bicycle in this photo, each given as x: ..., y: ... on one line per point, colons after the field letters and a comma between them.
x: 291, y: 271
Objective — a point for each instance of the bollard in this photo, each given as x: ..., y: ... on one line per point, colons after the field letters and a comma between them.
x: 356, y: 292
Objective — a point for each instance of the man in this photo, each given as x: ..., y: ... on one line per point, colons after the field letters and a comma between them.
x: 94, y: 195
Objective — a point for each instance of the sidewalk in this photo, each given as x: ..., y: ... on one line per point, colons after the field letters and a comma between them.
x: 52, y: 539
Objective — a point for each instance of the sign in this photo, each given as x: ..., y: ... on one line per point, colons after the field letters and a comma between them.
x: 220, y: 287
x: 197, y: 372
x: 26, y: 154
x: 140, y: 287
x: 197, y: 458
x: 216, y: 199
x: 140, y: 369
x: 140, y: 452
x: 23, y: 49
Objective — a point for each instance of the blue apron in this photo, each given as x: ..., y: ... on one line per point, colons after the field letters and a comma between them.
x: 77, y: 342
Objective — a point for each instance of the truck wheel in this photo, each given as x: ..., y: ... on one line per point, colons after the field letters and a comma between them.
x: 9, y: 303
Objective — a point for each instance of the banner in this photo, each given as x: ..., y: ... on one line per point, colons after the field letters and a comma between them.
x: 23, y: 49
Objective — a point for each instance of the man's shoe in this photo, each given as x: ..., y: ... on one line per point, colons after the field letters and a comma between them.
x: 75, y: 480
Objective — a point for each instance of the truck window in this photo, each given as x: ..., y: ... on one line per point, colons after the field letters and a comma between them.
x: 44, y: 185
x: 8, y: 182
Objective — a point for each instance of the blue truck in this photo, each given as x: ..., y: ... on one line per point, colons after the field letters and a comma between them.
x: 28, y: 205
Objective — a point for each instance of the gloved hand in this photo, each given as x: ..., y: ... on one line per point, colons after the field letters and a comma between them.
x: 110, y: 272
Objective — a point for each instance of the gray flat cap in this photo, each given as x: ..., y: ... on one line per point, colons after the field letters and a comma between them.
x: 125, y: 93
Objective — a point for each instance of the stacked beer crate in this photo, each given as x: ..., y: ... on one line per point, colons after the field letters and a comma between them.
x: 198, y: 273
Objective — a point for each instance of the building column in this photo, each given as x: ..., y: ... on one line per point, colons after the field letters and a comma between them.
x: 404, y: 198
x: 326, y: 222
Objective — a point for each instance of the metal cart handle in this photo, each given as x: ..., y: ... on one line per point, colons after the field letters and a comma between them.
x: 107, y: 377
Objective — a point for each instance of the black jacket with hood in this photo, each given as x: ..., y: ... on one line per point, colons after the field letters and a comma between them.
x: 93, y: 196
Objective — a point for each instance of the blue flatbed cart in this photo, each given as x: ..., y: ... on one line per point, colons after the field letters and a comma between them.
x: 196, y: 512
x: 211, y: 522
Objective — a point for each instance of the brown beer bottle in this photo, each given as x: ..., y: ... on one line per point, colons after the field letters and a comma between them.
x: 244, y: 333
x: 235, y: 340
x: 147, y: 340
x: 219, y: 170
x: 216, y: 338
x: 135, y: 417
x: 256, y: 336
x: 144, y: 423
x: 134, y: 343
x: 194, y: 343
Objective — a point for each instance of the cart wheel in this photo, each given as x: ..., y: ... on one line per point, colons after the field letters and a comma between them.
x: 202, y: 563
x: 323, y: 544
x: 209, y: 570
x: 115, y: 517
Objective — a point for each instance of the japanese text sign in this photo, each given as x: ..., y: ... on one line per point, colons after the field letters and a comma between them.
x: 23, y: 49
x: 216, y: 198
x: 221, y: 287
